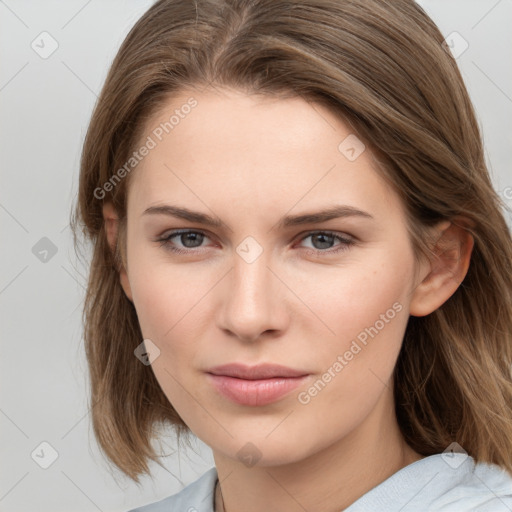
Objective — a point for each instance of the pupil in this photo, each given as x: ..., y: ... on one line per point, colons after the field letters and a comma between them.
x: 323, y: 235
x: 191, y: 237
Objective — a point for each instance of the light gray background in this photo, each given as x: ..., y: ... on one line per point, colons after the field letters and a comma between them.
x: 45, y: 108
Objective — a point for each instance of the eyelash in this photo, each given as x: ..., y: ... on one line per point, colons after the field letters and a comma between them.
x: 344, y: 245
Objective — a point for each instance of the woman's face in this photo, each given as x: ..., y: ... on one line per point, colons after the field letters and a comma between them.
x: 269, y: 283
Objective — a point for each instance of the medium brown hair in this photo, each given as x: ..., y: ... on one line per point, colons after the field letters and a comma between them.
x: 382, y: 66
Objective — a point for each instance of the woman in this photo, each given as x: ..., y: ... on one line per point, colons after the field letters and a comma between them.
x: 299, y: 257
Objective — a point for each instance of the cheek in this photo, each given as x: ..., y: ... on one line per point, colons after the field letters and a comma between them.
x: 351, y: 298
x: 363, y: 310
x: 367, y: 309
x: 168, y: 305
x: 165, y: 300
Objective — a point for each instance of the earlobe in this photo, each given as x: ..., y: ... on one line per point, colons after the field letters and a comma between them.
x: 446, y: 270
x: 111, y: 220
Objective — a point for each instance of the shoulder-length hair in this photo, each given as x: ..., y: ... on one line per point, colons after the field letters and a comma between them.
x: 383, y: 67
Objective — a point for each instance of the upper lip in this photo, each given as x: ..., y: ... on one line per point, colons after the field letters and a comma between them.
x: 261, y: 371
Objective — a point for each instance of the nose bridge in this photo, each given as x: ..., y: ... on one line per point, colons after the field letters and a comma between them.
x: 251, y: 277
x: 251, y: 302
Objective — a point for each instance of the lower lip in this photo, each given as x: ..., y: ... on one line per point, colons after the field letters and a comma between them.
x: 255, y: 392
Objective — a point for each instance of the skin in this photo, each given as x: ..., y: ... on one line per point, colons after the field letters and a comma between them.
x: 250, y: 160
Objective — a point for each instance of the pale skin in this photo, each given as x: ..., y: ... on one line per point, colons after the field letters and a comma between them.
x: 250, y: 160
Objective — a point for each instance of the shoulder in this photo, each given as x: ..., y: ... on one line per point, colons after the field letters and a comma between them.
x: 195, y: 497
x: 483, y: 487
x: 442, y: 483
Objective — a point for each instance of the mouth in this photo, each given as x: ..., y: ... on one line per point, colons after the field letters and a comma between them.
x: 255, y: 386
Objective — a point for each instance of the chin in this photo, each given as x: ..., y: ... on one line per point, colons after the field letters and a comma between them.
x: 261, y: 451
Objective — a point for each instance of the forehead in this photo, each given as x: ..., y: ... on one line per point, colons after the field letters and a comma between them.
x: 254, y: 151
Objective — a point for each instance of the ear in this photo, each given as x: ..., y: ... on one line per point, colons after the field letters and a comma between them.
x: 443, y: 274
x: 111, y: 228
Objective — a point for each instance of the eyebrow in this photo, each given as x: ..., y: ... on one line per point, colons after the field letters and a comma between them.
x: 335, y: 212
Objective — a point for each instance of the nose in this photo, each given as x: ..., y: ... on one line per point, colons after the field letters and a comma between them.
x: 253, y: 302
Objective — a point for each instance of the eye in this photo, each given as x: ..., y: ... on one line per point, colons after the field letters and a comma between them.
x: 191, y: 240
x: 324, y: 239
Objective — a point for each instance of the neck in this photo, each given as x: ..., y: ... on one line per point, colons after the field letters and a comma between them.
x: 330, y: 479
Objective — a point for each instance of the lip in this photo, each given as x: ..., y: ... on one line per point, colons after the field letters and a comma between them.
x: 260, y: 371
x: 256, y: 385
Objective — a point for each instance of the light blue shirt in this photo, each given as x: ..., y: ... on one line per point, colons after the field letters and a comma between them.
x: 437, y: 483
